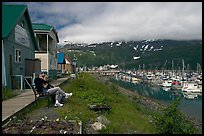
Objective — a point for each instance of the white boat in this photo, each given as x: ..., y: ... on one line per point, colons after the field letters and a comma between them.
x: 167, y: 84
x: 192, y: 88
x: 189, y: 96
x: 135, y: 80
x: 166, y: 88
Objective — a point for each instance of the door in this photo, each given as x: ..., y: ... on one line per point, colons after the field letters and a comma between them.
x: 11, y: 64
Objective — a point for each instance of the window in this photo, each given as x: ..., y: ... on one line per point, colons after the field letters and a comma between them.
x: 17, y: 55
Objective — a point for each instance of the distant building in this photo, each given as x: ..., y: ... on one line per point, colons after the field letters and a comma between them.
x: 18, y: 46
x: 65, y: 65
x: 47, y: 39
x: 68, y: 67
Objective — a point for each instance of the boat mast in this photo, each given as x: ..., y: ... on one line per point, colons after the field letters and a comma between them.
x: 183, y: 68
x: 172, y: 67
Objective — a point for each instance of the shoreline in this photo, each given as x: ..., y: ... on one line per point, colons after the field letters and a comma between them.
x: 146, y: 101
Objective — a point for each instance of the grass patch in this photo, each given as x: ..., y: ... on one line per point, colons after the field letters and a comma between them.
x: 124, y: 115
x: 8, y: 93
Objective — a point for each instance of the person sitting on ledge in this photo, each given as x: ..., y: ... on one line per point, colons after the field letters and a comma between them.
x: 44, y: 87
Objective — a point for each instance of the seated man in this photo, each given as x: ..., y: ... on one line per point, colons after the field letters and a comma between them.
x: 43, y: 87
x: 39, y: 83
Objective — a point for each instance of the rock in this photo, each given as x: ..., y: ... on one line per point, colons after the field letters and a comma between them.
x: 102, y: 119
x: 98, y: 126
x: 99, y: 107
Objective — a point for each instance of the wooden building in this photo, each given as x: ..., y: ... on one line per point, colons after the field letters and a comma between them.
x: 47, y: 39
x: 18, y: 46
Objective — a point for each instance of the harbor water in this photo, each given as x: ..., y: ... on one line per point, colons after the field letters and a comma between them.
x: 189, y: 107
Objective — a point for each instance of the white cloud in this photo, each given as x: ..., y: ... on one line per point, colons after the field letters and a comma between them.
x: 112, y: 21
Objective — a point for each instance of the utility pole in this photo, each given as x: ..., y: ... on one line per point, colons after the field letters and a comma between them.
x: 75, y: 64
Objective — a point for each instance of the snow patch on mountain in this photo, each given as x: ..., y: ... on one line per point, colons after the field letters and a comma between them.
x: 157, y: 49
x: 119, y: 43
x: 92, y: 46
x: 135, y: 48
x: 151, y: 48
x: 145, y: 48
x: 94, y: 54
x: 135, y: 58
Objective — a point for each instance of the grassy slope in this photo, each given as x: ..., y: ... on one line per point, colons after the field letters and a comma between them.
x: 125, y: 115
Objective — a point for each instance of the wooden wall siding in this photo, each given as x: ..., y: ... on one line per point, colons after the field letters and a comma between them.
x: 27, y: 52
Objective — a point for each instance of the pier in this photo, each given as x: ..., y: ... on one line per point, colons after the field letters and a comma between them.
x: 105, y: 72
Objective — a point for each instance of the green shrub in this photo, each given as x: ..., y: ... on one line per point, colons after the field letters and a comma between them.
x: 172, y: 121
x: 94, y: 97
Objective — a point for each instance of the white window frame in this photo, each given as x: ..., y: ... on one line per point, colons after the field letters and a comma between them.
x: 17, y: 55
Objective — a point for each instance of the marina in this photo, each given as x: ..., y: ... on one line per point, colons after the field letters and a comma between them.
x: 165, y: 88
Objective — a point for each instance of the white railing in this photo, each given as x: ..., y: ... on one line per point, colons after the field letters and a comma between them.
x: 26, y: 79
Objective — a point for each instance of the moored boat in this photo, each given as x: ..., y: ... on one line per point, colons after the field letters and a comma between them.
x: 192, y: 88
x: 189, y: 96
x: 167, y: 83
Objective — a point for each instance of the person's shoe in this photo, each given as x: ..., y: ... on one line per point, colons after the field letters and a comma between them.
x: 67, y: 95
x: 57, y: 104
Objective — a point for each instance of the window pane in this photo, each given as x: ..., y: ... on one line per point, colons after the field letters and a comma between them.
x: 19, y: 59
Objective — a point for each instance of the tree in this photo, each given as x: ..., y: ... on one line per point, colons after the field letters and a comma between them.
x: 172, y: 121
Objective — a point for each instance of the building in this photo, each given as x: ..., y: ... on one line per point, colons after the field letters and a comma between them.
x: 18, y: 46
x: 47, y: 39
x: 68, y: 67
x: 65, y: 65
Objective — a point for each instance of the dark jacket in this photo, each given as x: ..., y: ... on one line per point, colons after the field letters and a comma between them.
x: 39, y: 84
x: 49, y: 85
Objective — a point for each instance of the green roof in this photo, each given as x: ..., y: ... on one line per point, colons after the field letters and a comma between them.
x: 10, y: 16
x: 45, y: 27
x: 42, y: 27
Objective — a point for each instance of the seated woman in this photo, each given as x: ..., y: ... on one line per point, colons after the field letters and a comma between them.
x: 43, y: 86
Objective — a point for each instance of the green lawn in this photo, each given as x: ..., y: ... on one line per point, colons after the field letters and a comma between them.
x: 125, y: 115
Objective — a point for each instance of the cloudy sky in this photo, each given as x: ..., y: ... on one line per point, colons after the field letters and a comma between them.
x: 90, y: 22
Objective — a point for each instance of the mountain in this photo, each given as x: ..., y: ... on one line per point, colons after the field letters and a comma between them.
x: 145, y: 54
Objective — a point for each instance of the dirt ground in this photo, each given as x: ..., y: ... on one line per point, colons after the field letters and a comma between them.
x: 42, y: 121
